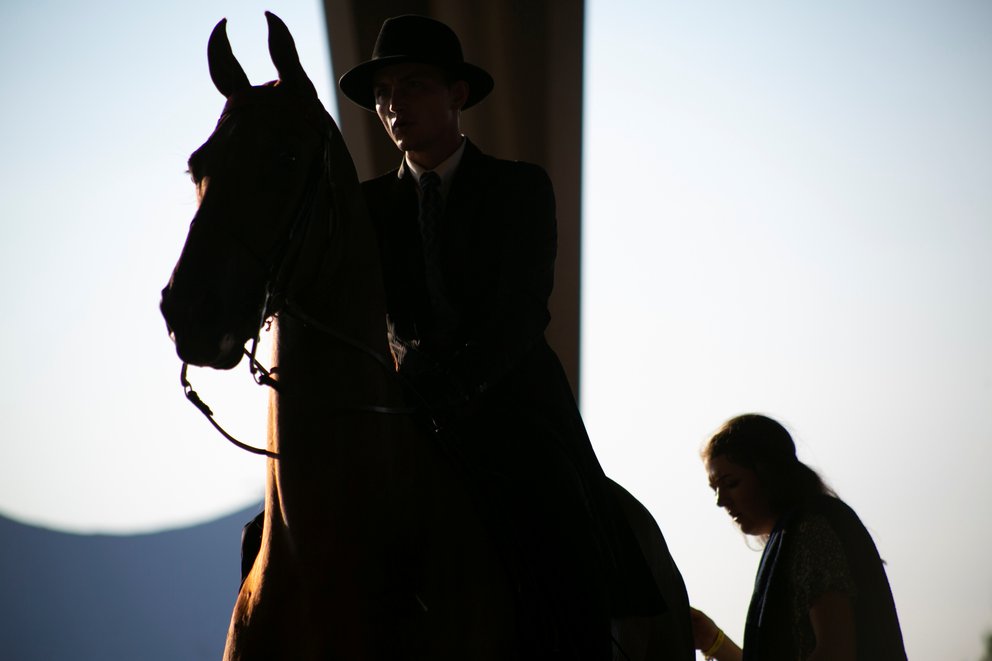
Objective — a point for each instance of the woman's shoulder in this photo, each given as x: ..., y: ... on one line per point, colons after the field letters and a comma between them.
x: 818, y: 554
x: 816, y: 534
x: 827, y: 510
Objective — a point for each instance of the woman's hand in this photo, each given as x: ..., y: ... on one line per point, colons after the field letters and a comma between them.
x: 707, y: 637
x: 704, y: 630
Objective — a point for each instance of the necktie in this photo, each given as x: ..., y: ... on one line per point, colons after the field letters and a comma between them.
x: 431, y: 205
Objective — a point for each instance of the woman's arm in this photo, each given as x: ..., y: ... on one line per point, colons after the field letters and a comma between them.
x: 832, y: 618
x: 710, y: 640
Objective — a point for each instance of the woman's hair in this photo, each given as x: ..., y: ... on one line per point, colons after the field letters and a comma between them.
x: 763, y: 445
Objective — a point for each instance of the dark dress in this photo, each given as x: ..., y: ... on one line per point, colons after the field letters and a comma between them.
x: 500, y: 397
x: 819, y: 547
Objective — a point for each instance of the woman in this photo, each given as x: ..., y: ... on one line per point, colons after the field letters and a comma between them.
x: 821, y: 590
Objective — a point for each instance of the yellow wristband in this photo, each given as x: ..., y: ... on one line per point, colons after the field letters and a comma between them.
x: 717, y: 644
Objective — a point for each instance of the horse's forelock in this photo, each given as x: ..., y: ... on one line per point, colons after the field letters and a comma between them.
x: 277, y: 94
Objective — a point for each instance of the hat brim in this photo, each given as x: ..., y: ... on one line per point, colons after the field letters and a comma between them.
x: 357, y: 83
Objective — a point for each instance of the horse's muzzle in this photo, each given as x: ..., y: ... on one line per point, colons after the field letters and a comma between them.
x: 197, y: 333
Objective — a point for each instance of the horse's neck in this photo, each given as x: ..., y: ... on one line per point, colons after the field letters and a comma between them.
x: 340, y: 290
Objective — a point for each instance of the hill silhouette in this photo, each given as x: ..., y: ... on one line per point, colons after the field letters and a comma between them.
x: 161, y: 596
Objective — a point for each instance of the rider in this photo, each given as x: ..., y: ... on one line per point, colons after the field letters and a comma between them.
x: 468, y: 245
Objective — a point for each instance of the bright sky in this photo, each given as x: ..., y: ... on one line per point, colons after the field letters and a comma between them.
x: 104, y: 102
x: 788, y: 209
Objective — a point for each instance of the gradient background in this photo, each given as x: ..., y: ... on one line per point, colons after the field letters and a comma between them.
x: 787, y: 209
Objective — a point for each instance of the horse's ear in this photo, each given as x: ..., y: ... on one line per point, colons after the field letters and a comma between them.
x: 227, y: 74
x: 282, y: 49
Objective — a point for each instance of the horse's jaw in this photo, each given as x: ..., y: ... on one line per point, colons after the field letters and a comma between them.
x: 224, y: 355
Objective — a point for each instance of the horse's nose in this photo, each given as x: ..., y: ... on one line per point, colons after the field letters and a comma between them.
x: 163, y: 306
x: 178, y: 321
x: 195, y: 323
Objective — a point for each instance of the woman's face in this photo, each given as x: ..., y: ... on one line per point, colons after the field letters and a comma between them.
x: 739, y: 491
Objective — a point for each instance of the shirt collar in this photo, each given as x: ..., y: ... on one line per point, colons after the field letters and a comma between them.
x: 445, y: 170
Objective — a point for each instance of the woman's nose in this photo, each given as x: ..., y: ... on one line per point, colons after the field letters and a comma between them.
x: 721, y: 498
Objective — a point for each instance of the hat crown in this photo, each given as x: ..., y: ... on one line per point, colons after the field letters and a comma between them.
x: 418, y: 37
x: 415, y: 39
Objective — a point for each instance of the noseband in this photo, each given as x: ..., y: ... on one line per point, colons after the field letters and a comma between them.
x: 281, y: 268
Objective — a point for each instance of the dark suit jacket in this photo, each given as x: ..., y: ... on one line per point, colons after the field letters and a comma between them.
x: 498, y: 247
x: 520, y: 431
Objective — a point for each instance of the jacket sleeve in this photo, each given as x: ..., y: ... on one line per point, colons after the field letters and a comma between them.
x: 514, y: 319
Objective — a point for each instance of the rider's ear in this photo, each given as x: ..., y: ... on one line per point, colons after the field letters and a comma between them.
x: 282, y: 49
x: 227, y: 74
x: 459, y: 94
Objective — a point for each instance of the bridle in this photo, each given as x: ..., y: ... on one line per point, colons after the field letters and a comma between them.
x: 278, y: 274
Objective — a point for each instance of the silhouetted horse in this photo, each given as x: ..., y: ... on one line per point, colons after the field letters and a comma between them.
x: 370, y: 548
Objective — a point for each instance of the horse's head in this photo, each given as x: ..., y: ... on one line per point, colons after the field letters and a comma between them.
x: 255, y: 181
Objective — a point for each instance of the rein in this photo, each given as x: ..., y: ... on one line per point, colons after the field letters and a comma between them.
x: 203, y: 408
x: 280, y: 272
